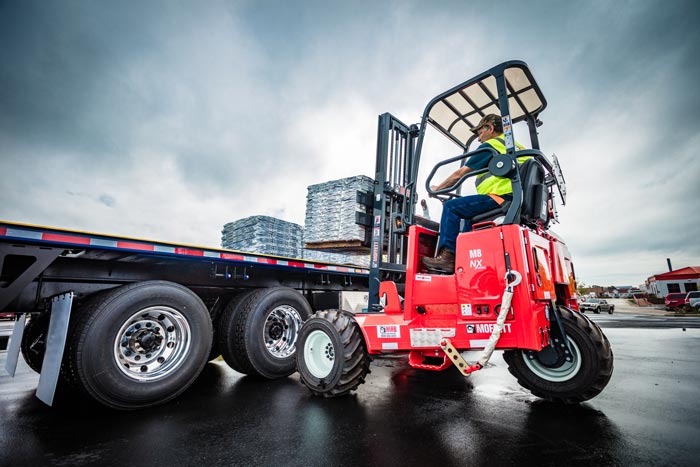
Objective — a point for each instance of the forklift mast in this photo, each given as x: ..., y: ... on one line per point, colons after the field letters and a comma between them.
x: 392, y: 203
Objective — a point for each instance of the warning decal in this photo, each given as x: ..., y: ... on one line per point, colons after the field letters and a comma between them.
x: 466, y: 309
x: 388, y: 331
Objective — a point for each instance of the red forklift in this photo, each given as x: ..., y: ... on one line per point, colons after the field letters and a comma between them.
x: 513, y: 288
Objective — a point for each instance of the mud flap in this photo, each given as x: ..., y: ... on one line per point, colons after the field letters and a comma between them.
x: 55, y: 345
x: 15, y: 341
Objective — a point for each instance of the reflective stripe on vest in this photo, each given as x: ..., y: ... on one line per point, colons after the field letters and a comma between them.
x: 487, y: 183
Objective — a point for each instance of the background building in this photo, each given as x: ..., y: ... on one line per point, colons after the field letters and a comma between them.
x: 679, y: 280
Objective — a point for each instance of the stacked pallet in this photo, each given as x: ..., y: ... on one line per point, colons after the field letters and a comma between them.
x: 350, y: 258
x: 330, y: 223
x: 265, y: 235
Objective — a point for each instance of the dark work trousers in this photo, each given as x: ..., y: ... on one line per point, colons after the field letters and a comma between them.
x: 454, y: 210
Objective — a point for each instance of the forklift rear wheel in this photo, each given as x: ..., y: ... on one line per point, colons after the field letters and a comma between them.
x: 550, y: 376
x: 333, y: 358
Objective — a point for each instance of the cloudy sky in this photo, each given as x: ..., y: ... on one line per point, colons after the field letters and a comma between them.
x: 167, y: 119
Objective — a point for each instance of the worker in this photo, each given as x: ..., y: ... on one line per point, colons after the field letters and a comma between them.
x: 492, y: 192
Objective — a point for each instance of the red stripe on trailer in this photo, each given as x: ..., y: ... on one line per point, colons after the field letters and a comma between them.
x: 188, y: 251
x: 230, y: 256
x: 50, y: 237
x: 296, y: 264
x: 135, y: 246
x: 320, y: 266
x: 267, y: 260
x: 341, y: 269
x: 3, y: 231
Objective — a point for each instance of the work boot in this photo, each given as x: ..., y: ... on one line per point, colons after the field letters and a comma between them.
x: 444, y: 262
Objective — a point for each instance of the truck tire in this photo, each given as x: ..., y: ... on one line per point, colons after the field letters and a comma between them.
x: 140, y: 345
x: 597, y: 311
x: 33, y: 345
x: 222, y: 332
x: 332, y: 359
x: 258, y: 337
x: 611, y: 309
x: 215, y: 313
x: 562, y: 381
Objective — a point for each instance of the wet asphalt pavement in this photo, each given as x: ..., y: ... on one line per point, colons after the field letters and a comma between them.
x: 648, y: 415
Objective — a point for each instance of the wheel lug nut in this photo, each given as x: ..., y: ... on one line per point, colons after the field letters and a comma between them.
x: 137, y: 358
x: 144, y: 369
x: 171, y: 328
x: 138, y: 326
x: 148, y: 325
x: 161, y: 317
x: 128, y: 353
x: 161, y: 359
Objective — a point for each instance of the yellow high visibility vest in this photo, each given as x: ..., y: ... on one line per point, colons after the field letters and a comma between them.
x: 489, y: 184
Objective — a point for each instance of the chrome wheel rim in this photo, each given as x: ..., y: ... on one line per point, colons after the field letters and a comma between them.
x: 319, y: 354
x: 281, y: 331
x: 152, y: 343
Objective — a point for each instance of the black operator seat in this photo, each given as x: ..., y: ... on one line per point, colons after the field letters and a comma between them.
x: 535, y: 197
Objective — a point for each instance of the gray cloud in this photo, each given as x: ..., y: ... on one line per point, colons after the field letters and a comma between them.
x: 193, y: 114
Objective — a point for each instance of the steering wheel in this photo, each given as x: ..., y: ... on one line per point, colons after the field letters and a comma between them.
x: 446, y: 194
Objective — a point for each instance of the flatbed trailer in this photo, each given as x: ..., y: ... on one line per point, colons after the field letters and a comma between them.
x: 132, y: 322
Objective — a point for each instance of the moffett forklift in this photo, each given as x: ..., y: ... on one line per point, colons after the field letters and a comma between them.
x: 513, y: 287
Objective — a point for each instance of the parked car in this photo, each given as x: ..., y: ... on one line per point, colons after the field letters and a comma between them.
x: 596, y: 305
x: 692, y: 299
x: 675, y: 300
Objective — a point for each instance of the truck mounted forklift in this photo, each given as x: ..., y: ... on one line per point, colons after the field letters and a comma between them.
x: 513, y: 288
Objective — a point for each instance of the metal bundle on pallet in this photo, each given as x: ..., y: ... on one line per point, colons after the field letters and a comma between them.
x: 263, y: 234
x: 331, y: 208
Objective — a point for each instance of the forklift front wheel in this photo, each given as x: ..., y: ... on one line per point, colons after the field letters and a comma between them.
x: 333, y: 358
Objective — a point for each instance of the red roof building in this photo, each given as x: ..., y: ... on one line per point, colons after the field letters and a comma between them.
x: 680, y: 280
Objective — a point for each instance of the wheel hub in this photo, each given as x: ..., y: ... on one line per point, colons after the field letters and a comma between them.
x: 281, y: 330
x: 319, y: 354
x: 152, y: 343
x: 554, y: 363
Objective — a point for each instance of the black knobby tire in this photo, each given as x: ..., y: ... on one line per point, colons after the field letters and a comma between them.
x: 258, y: 336
x: 567, y: 382
x: 164, y: 324
x: 332, y: 357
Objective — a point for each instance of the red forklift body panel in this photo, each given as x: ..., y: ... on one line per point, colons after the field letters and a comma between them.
x: 464, y: 306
